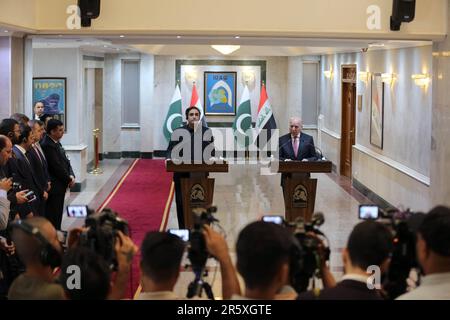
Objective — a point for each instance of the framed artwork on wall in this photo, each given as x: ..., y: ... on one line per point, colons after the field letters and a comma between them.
x: 377, y: 111
x: 52, y: 92
x: 220, y: 93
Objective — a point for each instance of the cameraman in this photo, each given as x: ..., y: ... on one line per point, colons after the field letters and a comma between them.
x: 433, y: 254
x: 263, y: 255
x: 161, y: 258
x: 39, y: 249
x: 369, y: 244
x: 96, y: 275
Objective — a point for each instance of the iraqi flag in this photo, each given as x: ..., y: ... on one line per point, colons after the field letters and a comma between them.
x: 174, y: 119
x: 195, y: 101
x: 265, y: 120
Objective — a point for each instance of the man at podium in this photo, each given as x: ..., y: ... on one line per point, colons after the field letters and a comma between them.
x: 296, y: 146
x: 191, y: 143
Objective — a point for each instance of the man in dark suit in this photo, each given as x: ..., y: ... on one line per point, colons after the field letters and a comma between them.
x: 183, y: 147
x: 60, y: 170
x: 23, y: 169
x: 39, y: 163
x: 295, y: 146
x: 369, y: 246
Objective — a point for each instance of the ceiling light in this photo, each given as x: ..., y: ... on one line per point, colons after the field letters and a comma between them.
x: 225, y: 49
x: 5, y: 31
x: 237, y: 37
x: 376, y: 45
x: 388, y: 78
x: 178, y: 37
x: 122, y: 36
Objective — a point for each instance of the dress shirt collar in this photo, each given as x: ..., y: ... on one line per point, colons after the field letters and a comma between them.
x: 355, y: 277
x: 21, y: 149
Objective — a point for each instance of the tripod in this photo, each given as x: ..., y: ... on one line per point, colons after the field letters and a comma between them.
x: 197, y: 286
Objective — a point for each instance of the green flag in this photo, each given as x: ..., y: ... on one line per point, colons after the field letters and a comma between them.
x: 243, y: 120
x: 174, y: 119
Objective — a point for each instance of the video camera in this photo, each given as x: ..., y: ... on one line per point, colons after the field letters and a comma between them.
x: 306, y: 256
x: 101, y: 235
x: 404, y: 226
x: 198, y: 253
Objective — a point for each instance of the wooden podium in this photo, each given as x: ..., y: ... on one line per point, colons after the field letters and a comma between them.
x: 197, y: 189
x: 299, y: 189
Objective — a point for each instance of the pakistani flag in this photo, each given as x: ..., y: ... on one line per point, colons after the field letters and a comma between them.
x: 243, y: 120
x: 174, y: 119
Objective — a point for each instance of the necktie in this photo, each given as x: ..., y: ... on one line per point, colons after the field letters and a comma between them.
x: 38, y: 153
x: 295, y: 146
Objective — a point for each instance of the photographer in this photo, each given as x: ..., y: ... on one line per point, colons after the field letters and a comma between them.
x: 105, y: 235
x: 369, y: 244
x: 433, y: 254
x: 263, y: 256
x: 39, y: 249
x: 96, y: 274
x: 161, y: 258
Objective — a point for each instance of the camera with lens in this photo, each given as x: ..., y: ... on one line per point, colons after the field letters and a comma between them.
x: 198, y: 253
x: 16, y: 186
x: 102, y: 233
x: 308, y: 254
x: 404, y: 226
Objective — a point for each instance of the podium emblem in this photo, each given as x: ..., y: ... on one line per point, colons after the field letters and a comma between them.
x: 300, y: 197
x: 197, y: 196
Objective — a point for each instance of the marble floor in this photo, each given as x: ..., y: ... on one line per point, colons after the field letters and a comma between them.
x: 243, y: 196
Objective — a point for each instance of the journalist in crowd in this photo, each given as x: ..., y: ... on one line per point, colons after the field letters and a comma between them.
x: 433, y: 254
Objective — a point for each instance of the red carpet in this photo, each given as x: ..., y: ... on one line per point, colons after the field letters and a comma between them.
x: 142, y: 197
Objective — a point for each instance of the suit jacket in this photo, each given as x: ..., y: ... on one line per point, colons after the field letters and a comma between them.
x: 40, y: 168
x: 59, y: 167
x: 344, y: 290
x: 306, y: 148
x: 15, y: 170
x: 185, y: 138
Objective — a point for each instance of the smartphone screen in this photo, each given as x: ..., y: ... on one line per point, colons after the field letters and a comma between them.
x: 273, y: 219
x: 182, y: 233
x: 77, y: 211
x: 368, y: 212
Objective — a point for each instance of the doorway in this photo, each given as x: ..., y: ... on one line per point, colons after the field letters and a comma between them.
x: 348, y: 118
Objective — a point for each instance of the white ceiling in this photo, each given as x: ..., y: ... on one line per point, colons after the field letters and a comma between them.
x: 200, y: 46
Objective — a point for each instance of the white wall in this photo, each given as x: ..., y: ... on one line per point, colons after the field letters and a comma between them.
x: 407, y: 123
x: 65, y: 63
x: 276, y: 83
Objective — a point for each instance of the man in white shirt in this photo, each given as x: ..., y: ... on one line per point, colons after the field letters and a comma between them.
x: 433, y: 254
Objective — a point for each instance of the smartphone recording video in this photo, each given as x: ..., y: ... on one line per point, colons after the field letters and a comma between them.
x: 273, y: 219
x: 182, y: 233
x: 369, y: 212
x: 77, y: 211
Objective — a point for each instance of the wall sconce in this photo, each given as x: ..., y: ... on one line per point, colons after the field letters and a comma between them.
x: 388, y: 78
x: 421, y: 80
x: 248, y: 76
x: 364, y: 76
x: 328, y: 73
x: 191, y: 76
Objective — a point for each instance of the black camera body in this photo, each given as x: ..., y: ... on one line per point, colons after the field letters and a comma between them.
x: 198, y: 253
x: 306, y: 258
x: 101, y: 235
x: 404, y: 226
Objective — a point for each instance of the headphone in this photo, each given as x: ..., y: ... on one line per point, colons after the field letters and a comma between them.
x: 48, y: 255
